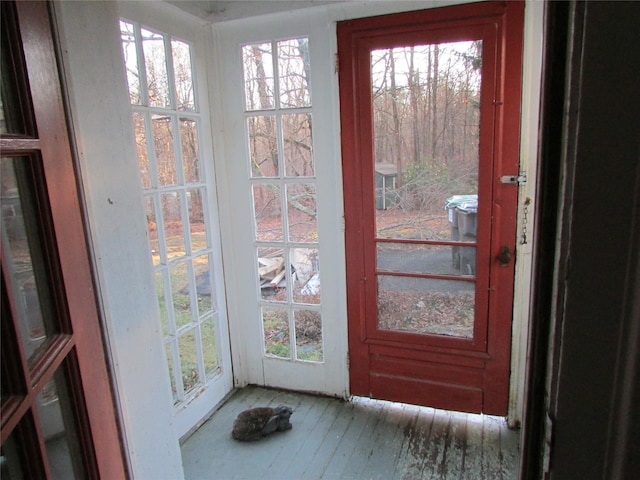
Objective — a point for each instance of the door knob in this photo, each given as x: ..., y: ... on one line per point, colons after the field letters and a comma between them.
x: 504, y: 257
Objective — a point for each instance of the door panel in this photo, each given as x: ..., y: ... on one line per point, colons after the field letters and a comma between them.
x: 430, y: 115
x: 58, y: 415
x: 171, y: 124
x: 284, y: 224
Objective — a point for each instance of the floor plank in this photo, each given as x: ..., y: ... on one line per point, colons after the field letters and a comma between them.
x: 360, y: 439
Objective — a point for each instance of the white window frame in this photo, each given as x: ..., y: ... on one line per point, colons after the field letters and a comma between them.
x: 190, y: 408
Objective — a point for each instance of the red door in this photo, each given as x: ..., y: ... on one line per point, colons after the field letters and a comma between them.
x: 430, y: 107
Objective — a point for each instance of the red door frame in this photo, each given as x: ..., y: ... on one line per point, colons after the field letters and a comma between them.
x: 453, y: 373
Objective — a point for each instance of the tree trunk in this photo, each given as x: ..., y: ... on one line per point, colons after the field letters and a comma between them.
x: 414, y: 86
x: 396, y: 120
x: 434, y: 105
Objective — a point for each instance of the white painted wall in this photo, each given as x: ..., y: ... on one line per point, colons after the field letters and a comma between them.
x: 93, y: 70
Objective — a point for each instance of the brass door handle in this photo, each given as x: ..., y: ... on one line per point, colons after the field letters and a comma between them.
x: 504, y: 257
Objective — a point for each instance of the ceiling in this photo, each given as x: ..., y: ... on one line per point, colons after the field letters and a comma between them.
x: 220, y: 11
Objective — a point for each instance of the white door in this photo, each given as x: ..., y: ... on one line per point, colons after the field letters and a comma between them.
x: 166, y: 72
x: 288, y: 314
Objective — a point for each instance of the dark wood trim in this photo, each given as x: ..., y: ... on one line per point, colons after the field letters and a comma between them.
x: 18, y: 145
x: 582, y: 399
x: 49, y: 357
x: 75, y: 345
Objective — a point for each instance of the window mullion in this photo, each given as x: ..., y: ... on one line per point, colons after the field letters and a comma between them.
x: 171, y: 84
x: 276, y: 75
x: 177, y: 149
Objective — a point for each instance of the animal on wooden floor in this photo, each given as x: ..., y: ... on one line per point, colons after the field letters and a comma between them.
x: 255, y: 423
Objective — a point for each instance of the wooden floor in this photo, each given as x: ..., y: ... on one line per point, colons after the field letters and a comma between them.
x: 359, y: 439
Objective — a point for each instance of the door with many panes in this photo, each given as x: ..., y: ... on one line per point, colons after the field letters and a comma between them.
x: 282, y: 162
x: 167, y: 83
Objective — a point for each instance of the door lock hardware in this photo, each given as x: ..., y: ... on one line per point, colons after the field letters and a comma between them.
x: 504, y: 257
x: 514, y: 179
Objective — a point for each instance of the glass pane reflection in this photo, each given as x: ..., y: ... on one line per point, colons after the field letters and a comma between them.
x: 22, y: 244
x: 57, y: 421
x: 14, y: 110
x: 13, y: 462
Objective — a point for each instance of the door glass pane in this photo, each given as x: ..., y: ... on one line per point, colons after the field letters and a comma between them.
x: 275, y: 322
x: 22, y: 246
x: 162, y: 303
x: 426, y: 120
x: 172, y: 356
x: 426, y: 116
x: 15, y: 114
x: 205, y: 288
x: 263, y: 147
x: 301, y: 212
x: 296, y: 134
x: 308, y: 335
x: 189, y: 143
x: 139, y: 131
x: 152, y: 228
x: 272, y: 273
x: 156, y: 68
x: 305, y: 266
x: 189, y: 359
x: 196, y: 208
x: 183, y: 75
x: 57, y: 422
x: 180, y: 294
x: 426, y: 306
x: 207, y: 331
x: 294, y: 68
x: 267, y: 212
x: 173, y: 224
x: 127, y: 36
x: 259, y: 83
x: 15, y: 463
x: 163, y: 136
x: 10, y: 461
